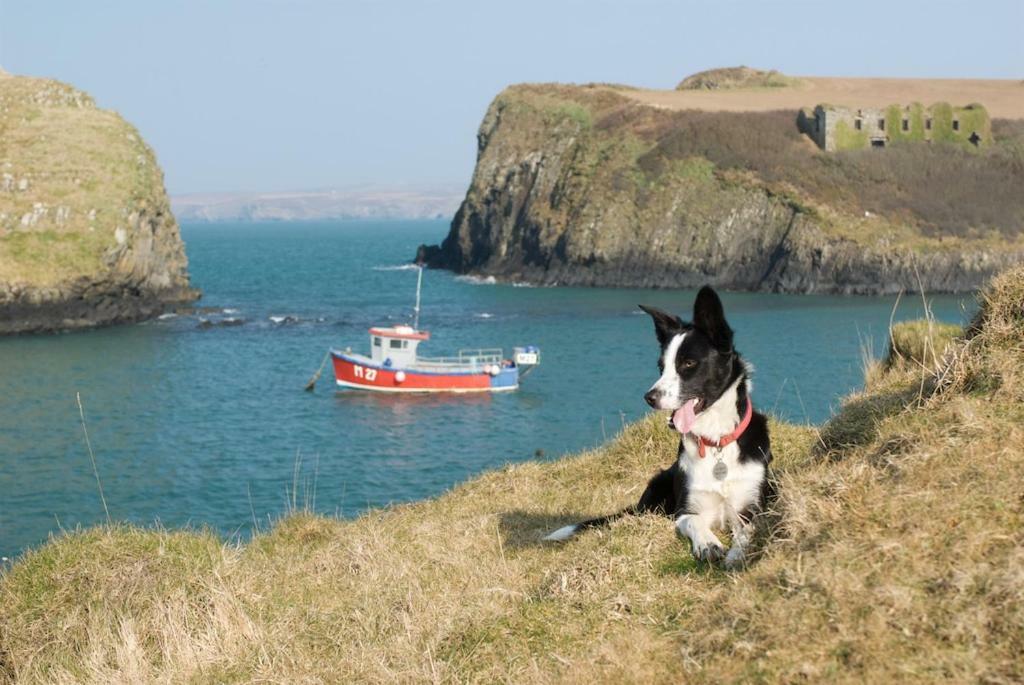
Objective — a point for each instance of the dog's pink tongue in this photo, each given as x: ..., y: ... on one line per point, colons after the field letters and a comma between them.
x: 684, y: 417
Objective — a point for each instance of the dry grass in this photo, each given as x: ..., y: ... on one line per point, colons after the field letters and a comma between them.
x: 921, y: 343
x: 1003, y: 98
x: 895, y: 555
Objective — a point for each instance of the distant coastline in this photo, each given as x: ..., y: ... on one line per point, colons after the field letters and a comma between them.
x: 433, y: 202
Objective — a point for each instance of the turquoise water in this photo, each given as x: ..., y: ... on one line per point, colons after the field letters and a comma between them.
x: 210, y: 426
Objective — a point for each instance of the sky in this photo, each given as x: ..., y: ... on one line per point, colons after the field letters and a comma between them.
x: 273, y: 95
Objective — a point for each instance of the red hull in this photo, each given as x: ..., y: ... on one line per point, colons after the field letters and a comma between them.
x: 349, y: 373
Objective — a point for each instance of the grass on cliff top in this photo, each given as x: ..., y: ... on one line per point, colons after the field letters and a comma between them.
x: 70, y: 175
x: 894, y: 554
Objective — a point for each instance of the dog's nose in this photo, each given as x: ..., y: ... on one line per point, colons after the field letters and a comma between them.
x: 651, y: 397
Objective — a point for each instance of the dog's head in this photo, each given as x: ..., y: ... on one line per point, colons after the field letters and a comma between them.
x: 697, y: 361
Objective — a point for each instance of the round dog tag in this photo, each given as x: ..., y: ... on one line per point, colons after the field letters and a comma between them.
x: 720, y: 470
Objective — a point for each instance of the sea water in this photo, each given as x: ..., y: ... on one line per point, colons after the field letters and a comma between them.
x: 196, y: 423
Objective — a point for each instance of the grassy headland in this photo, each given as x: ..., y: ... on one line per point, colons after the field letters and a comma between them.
x: 70, y: 175
x: 908, y: 194
x: 86, y: 232
x: 894, y: 553
x: 584, y: 185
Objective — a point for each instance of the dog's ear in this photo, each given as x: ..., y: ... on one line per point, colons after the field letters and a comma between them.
x: 665, y: 325
x: 709, y: 318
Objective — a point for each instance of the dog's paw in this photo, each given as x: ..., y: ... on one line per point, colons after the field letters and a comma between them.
x: 710, y: 553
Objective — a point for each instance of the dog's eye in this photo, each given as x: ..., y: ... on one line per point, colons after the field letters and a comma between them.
x: 689, y: 363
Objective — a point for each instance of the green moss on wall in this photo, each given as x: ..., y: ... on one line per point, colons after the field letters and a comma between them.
x: 942, y: 122
x: 893, y: 118
x: 974, y: 119
x: 848, y: 138
x: 948, y: 125
x: 914, y: 116
x: 917, y: 116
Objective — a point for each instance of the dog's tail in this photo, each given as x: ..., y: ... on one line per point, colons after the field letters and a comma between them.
x: 566, y: 532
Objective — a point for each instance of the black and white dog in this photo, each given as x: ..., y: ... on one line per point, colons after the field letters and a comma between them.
x: 720, y: 476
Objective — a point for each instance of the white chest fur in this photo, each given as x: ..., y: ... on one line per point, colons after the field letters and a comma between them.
x: 719, y: 502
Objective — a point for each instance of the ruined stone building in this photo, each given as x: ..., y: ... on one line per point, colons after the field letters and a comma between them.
x: 845, y: 128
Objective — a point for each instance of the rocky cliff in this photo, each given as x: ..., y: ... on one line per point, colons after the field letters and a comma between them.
x: 87, y: 237
x: 582, y: 186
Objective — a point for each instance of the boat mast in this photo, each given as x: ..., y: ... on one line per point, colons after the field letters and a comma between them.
x: 416, y: 310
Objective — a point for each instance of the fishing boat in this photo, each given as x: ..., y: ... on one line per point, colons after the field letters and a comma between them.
x: 394, y: 364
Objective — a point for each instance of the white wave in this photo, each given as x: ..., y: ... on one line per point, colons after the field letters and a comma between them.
x: 396, y: 267
x: 485, y: 315
x: 478, y: 280
x: 229, y: 310
x: 491, y: 280
x: 168, y: 315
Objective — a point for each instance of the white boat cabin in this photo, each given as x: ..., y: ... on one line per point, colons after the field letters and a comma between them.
x: 397, y: 344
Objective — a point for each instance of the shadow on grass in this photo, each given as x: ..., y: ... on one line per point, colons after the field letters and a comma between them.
x: 525, y: 529
x: 680, y: 562
x: 521, y: 529
x: 857, y: 423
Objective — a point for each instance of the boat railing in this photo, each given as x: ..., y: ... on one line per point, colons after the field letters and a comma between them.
x: 486, y: 355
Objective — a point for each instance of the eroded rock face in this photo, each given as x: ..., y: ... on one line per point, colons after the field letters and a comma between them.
x: 557, y: 198
x: 87, y: 237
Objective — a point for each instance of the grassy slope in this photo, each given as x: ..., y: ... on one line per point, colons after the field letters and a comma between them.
x: 895, y: 553
x: 79, y: 169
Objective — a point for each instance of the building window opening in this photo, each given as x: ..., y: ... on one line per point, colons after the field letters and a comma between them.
x: 928, y: 124
x: 906, y: 124
x: 878, y: 142
x: 376, y: 342
x: 857, y: 124
x: 881, y: 124
x: 956, y: 124
x: 396, y: 344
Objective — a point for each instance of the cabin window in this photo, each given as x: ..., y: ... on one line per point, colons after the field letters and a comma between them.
x: 397, y: 344
x: 857, y: 124
x: 956, y: 124
x: 928, y: 123
x: 881, y: 124
x: 376, y: 341
x: 906, y: 124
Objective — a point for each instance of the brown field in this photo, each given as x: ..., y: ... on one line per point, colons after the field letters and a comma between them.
x: 1004, y: 98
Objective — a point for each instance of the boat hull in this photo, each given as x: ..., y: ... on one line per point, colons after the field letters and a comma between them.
x: 351, y: 372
